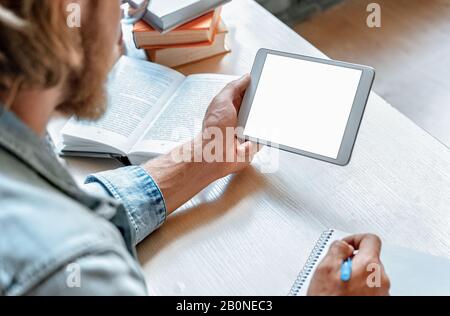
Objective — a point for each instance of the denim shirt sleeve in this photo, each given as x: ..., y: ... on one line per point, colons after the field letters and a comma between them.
x: 139, y: 194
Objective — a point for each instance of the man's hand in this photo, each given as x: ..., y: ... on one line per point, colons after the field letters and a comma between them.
x: 222, y: 116
x: 326, y: 280
x: 181, y: 179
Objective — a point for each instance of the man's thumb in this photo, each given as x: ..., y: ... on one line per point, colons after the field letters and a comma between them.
x: 239, y: 86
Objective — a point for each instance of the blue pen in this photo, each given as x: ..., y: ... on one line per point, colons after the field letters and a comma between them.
x: 346, y: 270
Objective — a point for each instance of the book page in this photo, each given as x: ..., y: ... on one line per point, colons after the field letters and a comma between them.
x: 182, y: 117
x: 137, y: 91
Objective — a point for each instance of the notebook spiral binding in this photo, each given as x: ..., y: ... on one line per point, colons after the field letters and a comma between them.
x: 311, y: 262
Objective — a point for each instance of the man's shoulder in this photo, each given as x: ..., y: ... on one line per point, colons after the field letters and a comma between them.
x: 106, y: 273
x: 43, y: 230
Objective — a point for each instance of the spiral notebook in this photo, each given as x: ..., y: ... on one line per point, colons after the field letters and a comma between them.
x: 411, y: 273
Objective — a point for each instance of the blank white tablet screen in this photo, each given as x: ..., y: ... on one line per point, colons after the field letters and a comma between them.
x: 304, y: 105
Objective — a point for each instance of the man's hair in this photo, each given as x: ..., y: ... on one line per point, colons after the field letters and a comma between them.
x: 37, y: 49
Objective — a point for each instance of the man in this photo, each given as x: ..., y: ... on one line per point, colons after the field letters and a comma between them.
x: 49, y: 225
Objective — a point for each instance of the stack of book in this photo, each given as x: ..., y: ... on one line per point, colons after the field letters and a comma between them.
x: 178, y: 32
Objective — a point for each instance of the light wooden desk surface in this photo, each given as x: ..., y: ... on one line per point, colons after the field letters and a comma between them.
x: 250, y: 234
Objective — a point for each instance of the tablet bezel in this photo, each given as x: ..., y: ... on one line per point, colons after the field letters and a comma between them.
x: 354, y: 121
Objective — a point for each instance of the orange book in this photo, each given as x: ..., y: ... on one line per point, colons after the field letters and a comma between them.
x: 176, y: 56
x: 202, y: 29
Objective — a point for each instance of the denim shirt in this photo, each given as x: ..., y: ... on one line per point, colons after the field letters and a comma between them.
x: 59, y: 239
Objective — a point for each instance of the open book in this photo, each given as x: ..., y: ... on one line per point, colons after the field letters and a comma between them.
x: 151, y: 110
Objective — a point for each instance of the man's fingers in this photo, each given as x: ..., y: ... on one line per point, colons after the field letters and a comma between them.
x: 366, y: 244
x: 251, y: 149
x: 247, y: 151
x: 339, y: 251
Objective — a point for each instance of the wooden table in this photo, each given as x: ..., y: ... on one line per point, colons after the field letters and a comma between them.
x: 250, y: 234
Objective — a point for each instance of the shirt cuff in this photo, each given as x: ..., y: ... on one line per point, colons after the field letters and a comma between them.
x: 140, y: 195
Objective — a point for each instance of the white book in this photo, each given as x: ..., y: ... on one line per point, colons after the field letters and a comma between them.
x: 151, y: 110
x: 411, y: 273
x: 164, y: 15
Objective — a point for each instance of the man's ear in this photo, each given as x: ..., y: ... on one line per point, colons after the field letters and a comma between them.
x: 11, y: 94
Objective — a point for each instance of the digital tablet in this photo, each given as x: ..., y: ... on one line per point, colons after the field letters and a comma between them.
x: 305, y: 105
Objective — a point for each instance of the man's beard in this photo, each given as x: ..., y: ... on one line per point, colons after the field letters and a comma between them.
x: 85, y: 92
